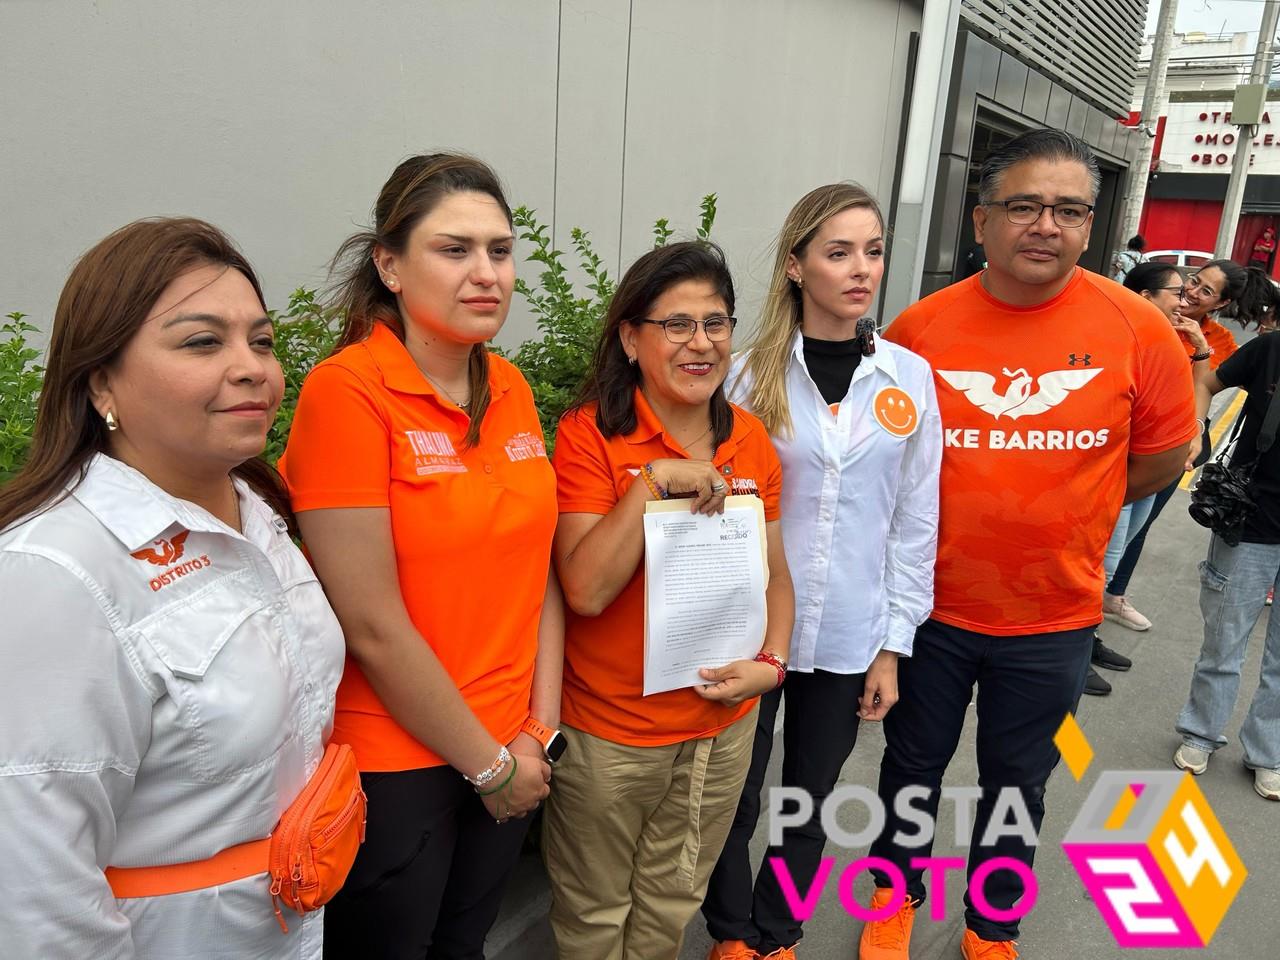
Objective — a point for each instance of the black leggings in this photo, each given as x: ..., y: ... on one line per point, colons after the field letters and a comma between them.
x: 429, y: 878
x: 819, y: 730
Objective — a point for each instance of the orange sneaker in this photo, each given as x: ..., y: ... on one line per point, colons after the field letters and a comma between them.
x: 782, y: 953
x: 887, y: 939
x: 732, y: 950
x: 973, y: 947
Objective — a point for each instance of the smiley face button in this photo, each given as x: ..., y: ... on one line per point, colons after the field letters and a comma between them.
x: 896, y: 412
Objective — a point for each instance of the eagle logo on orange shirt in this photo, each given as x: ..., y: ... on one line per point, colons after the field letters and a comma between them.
x: 1017, y: 400
x: 170, y: 550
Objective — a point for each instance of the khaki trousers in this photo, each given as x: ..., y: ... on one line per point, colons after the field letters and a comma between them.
x: 631, y: 835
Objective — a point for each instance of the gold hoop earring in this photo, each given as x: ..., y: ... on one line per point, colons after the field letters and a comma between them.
x: 112, y: 423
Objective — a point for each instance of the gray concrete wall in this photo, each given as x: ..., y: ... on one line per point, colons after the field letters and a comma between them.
x: 280, y: 121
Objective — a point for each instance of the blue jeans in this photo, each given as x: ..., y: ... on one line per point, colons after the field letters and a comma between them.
x: 1233, y: 591
x: 1133, y: 517
x: 1120, y: 582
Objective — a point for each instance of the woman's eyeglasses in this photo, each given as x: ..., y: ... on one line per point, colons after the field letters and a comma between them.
x: 683, y: 329
x: 1195, y: 285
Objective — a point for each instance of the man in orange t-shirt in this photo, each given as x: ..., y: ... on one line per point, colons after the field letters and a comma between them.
x: 1063, y: 396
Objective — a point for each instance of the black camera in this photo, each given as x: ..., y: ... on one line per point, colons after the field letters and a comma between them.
x: 1221, y: 501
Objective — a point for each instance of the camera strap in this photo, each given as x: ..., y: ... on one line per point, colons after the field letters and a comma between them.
x: 1267, y: 433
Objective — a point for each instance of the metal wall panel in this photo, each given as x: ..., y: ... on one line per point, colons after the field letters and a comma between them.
x: 1089, y: 46
x: 940, y: 250
x: 1059, y: 105
x: 1036, y: 102
x: 1077, y: 115
x: 1012, y: 84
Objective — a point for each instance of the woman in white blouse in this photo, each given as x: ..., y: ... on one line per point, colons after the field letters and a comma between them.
x: 855, y: 422
x: 169, y: 659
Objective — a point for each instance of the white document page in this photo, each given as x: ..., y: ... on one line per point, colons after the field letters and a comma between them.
x: 705, y: 578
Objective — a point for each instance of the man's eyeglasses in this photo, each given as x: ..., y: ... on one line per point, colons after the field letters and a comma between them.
x: 1195, y: 285
x: 683, y: 329
x: 1028, y: 211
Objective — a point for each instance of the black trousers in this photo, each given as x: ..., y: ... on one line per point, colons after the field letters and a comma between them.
x: 820, y: 727
x: 1026, y: 685
x: 429, y: 878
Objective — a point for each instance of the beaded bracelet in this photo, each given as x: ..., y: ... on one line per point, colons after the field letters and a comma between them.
x: 651, y: 482
x: 488, y: 775
x: 775, y: 661
x: 1195, y: 357
x: 503, y: 784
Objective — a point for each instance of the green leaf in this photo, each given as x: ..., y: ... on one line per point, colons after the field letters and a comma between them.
x: 708, y: 207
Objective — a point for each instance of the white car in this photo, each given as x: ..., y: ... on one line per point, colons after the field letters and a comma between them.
x: 1184, y: 260
x: 1188, y: 261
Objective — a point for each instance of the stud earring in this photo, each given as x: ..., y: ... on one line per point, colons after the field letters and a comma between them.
x: 112, y: 423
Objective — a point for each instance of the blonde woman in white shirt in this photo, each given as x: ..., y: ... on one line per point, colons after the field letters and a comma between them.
x: 855, y: 422
x: 169, y: 659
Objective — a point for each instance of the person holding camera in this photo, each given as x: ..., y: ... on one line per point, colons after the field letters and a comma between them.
x: 1239, y: 499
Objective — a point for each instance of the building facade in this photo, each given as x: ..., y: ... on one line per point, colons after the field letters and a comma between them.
x: 1195, y: 145
x: 1022, y: 64
x: 279, y: 122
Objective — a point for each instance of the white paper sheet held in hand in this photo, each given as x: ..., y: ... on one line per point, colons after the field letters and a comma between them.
x: 705, y: 578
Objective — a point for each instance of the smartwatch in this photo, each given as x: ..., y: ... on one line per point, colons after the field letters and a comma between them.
x: 553, y: 741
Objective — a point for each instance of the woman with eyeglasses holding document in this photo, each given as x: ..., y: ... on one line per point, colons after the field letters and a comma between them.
x: 646, y: 791
x: 855, y: 422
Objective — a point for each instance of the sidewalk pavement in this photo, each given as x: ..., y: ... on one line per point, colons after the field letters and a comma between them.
x: 1132, y: 729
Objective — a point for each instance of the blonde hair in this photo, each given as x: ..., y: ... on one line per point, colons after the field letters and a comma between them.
x: 771, y: 345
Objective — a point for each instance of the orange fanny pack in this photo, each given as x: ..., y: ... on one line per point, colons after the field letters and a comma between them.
x: 308, y: 854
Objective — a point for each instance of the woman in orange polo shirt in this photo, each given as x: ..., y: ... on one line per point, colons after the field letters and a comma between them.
x: 1213, y: 287
x: 646, y: 792
x: 417, y: 469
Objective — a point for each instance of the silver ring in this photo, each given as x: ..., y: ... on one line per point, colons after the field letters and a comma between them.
x: 717, y: 486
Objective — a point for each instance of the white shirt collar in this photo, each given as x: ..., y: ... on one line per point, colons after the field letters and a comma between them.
x: 137, y: 512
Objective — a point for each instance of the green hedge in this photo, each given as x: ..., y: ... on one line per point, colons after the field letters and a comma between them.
x: 555, y: 363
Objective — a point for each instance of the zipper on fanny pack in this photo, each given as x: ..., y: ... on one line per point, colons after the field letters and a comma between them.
x: 340, y: 821
x: 275, y: 901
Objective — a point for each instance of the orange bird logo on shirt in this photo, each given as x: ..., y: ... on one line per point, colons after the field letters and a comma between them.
x: 1017, y: 400
x: 170, y: 550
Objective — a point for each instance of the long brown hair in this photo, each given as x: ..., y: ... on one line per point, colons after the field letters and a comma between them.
x: 613, y: 379
x: 108, y: 295
x: 780, y: 318
x: 412, y: 192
